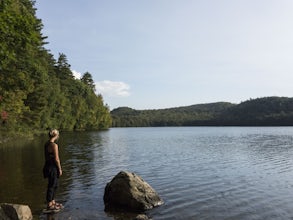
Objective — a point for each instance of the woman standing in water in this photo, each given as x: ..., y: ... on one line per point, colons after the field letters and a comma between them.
x: 52, y: 170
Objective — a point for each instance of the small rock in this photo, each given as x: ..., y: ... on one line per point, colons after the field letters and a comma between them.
x: 142, y: 217
x: 15, y: 212
x: 128, y: 216
x: 2, y: 215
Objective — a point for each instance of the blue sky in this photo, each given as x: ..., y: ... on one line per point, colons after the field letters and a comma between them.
x: 152, y: 54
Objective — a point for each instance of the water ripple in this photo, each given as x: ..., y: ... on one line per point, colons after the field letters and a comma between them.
x: 200, y: 172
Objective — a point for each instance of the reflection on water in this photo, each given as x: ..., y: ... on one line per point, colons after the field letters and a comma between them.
x: 20, y: 175
x: 200, y: 172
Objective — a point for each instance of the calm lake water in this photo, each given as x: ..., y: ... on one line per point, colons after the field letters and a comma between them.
x: 200, y: 172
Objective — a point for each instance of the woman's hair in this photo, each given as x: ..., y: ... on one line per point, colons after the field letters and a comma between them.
x: 53, y: 133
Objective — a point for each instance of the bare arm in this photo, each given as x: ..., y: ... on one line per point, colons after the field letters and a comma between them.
x: 57, y: 160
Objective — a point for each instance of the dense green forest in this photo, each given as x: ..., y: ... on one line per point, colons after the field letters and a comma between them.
x: 268, y: 111
x: 37, y: 91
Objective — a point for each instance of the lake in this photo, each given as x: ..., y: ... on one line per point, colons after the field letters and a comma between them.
x: 200, y: 172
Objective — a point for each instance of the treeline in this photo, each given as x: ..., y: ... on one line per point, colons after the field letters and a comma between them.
x: 201, y: 114
x: 268, y: 111
x: 36, y: 90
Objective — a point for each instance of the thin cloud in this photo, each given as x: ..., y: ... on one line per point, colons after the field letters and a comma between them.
x: 113, y: 89
x: 76, y: 74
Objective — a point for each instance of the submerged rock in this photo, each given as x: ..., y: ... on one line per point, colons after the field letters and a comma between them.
x: 128, y: 191
x: 128, y: 216
x: 15, y: 212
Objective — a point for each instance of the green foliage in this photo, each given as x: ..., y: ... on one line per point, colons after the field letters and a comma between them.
x: 36, y: 91
x: 269, y: 111
x: 88, y: 80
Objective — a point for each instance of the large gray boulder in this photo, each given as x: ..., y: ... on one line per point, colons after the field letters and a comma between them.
x: 128, y: 191
x: 15, y: 212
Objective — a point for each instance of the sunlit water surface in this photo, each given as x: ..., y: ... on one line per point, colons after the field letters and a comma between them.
x: 200, y: 172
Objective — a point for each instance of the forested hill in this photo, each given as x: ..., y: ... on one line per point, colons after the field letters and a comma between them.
x: 181, y: 116
x: 36, y: 91
x: 269, y: 111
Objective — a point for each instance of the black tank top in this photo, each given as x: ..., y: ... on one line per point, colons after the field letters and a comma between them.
x: 49, y: 156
